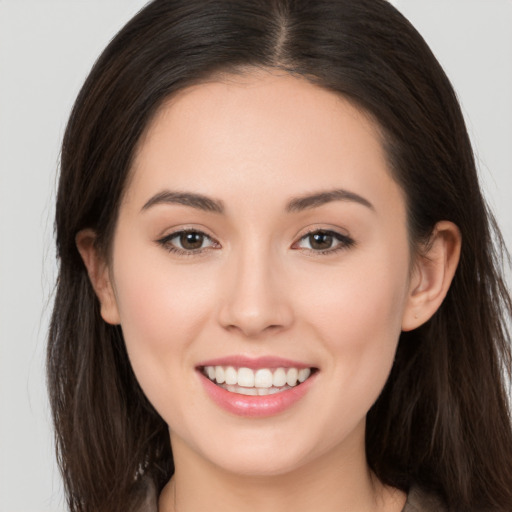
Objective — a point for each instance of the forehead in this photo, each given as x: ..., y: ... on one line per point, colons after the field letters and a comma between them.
x: 269, y: 129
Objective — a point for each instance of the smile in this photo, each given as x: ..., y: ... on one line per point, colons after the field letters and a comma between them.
x: 256, y: 387
x: 256, y: 382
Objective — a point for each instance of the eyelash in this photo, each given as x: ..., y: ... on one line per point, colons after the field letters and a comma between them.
x: 166, y: 243
x: 345, y: 242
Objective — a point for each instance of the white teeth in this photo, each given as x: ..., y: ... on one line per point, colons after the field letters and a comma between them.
x: 230, y: 375
x: 263, y: 378
x: 253, y: 391
x: 245, y: 377
x: 263, y: 381
x: 291, y: 376
x: 219, y: 374
x: 279, y: 378
x: 303, y: 374
x: 248, y: 391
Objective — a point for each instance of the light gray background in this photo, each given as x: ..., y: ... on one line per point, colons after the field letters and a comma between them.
x: 46, y: 50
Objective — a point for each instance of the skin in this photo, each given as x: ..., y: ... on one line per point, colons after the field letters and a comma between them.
x: 258, y: 288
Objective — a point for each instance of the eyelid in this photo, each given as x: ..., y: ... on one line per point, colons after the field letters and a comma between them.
x: 165, y: 242
x: 345, y: 241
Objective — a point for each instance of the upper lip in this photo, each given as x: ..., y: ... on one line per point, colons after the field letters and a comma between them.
x: 240, y: 361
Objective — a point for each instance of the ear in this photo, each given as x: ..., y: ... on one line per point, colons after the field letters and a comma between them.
x: 432, y: 275
x: 99, y: 275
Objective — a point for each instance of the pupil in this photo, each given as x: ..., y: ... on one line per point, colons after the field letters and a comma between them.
x: 191, y: 240
x: 321, y: 241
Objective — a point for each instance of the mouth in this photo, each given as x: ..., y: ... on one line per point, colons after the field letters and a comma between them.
x: 256, y: 381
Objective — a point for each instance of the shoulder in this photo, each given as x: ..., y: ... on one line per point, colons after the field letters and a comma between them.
x: 419, y: 500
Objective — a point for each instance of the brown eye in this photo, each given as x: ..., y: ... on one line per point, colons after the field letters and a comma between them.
x: 324, y: 242
x: 320, y: 240
x: 187, y: 242
x: 191, y: 240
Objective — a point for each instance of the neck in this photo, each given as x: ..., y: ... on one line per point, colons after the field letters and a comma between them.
x: 339, y: 480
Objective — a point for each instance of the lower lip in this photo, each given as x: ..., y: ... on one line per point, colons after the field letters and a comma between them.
x: 255, y: 406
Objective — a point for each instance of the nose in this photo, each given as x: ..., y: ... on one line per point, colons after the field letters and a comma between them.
x: 255, y: 298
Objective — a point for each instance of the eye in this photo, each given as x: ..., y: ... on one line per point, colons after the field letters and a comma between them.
x: 324, y: 241
x: 187, y: 242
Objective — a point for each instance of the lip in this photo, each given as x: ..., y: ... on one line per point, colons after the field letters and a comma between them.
x: 255, y: 406
x: 239, y: 361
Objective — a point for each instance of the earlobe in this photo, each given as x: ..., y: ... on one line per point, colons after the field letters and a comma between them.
x: 432, y: 275
x: 99, y: 275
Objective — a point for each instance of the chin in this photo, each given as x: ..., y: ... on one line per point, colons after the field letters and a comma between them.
x: 262, y: 464
x: 260, y: 452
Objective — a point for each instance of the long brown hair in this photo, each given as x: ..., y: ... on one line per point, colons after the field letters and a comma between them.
x: 442, y: 421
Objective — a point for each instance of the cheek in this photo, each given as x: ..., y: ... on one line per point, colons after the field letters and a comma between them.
x: 357, y: 314
x: 157, y: 309
x: 365, y: 295
x: 163, y: 308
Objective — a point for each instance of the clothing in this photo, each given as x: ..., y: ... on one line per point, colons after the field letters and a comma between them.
x: 420, y: 501
x: 417, y: 501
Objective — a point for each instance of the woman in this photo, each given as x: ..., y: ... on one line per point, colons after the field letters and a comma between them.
x: 279, y: 284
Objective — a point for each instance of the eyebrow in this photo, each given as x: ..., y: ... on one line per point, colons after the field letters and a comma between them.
x: 197, y: 201
x: 306, y: 202
x: 296, y: 204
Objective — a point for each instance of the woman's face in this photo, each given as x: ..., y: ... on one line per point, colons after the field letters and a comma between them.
x: 261, y: 230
